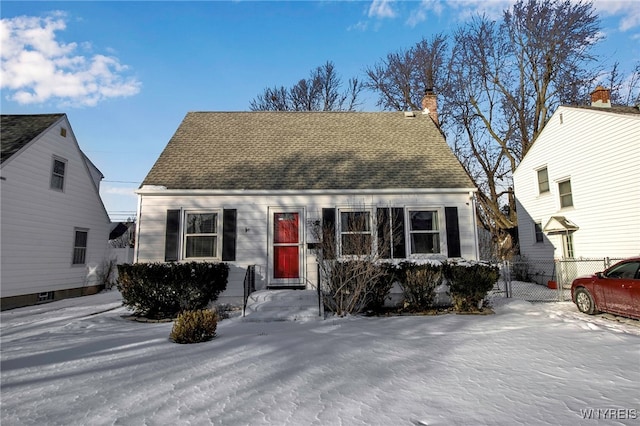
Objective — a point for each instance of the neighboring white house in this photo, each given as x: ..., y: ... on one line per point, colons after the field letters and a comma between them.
x: 54, y: 227
x: 249, y: 188
x: 578, y: 187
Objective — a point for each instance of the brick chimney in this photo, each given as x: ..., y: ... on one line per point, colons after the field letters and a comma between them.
x: 601, y: 98
x: 430, y: 105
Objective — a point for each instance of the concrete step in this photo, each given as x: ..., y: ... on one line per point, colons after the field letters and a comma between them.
x: 283, y: 305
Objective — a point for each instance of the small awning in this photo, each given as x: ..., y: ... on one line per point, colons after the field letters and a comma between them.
x: 559, y: 225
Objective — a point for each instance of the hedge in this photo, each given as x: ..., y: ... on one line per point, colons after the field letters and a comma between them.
x: 162, y: 290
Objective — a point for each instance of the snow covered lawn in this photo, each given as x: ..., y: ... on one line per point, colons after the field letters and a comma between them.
x: 79, y: 362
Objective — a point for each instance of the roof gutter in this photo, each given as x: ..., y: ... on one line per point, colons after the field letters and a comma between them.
x: 161, y: 190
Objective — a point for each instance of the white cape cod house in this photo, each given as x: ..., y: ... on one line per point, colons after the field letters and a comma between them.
x: 578, y: 187
x: 247, y: 188
x: 54, y: 227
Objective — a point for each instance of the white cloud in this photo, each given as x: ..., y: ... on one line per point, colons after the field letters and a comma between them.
x: 105, y: 188
x: 627, y: 10
x: 493, y: 9
x: 421, y: 13
x: 37, y: 68
x: 381, y: 9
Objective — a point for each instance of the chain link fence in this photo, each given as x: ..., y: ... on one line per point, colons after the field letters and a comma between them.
x: 545, y: 280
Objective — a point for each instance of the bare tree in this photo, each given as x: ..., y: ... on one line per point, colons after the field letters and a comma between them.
x: 401, y: 78
x: 498, y: 84
x: 320, y: 92
x: 273, y: 99
x: 625, y: 89
x: 506, y: 79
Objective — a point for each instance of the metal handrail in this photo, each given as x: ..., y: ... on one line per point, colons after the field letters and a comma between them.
x: 249, y: 285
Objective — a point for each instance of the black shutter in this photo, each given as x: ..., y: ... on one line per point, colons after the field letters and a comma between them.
x: 329, y: 233
x: 397, y: 226
x: 172, y: 236
x: 453, y: 232
x: 384, y: 233
x: 229, y: 234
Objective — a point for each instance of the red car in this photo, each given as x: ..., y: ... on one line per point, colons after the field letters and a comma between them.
x: 616, y: 290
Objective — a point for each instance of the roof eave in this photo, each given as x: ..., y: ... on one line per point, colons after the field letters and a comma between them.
x: 162, y: 191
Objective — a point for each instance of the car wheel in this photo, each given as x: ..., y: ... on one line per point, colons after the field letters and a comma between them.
x: 584, y: 302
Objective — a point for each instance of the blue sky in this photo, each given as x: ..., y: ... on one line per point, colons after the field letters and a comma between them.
x: 126, y: 73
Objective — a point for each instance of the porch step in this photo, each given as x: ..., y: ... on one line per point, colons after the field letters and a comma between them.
x: 282, y: 305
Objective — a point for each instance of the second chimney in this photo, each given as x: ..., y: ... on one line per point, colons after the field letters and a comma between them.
x: 601, y: 98
x: 430, y: 105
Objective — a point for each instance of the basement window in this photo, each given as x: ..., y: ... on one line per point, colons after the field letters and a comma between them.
x: 45, y: 296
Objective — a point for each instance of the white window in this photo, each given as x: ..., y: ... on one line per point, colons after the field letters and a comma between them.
x: 564, y: 189
x: 356, y: 233
x: 424, y: 231
x: 57, y: 173
x: 543, y: 181
x: 537, y: 229
x: 80, y: 246
x: 202, y: 235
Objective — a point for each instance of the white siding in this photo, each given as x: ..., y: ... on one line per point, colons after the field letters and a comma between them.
x: 599, y: 152
x: 37, y: 223
x: 252, y: 218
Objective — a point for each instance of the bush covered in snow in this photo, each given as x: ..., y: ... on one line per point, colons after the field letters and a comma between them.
x: 469, y: 283
x: 194, y: 326
x: 419, y: 282
x: 162, y: 290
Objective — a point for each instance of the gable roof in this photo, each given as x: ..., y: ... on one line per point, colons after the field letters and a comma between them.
x: 307, y: 150
x: 615, y: 109
x: 615, y: 112
x: 16, y: 131
x: 583, y: 117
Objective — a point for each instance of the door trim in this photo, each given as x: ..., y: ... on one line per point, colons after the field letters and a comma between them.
x: 299, y: 282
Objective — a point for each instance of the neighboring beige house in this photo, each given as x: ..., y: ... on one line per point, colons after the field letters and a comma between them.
x: 248, y: 188
x: 54, y: 228
x: 578, y: 188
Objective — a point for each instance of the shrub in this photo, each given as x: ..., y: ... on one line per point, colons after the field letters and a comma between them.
x: 469, y: 283
x: 419, y: 283
x: 162, y: 290
x: 194, y: 326
x: 381, y: 287
x: 353, y: 286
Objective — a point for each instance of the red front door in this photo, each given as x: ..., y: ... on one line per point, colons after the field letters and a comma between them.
x: 286, y: 245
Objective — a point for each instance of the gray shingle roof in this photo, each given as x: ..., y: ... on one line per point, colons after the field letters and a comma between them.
x: 18, y: 130
x: 307, y: 150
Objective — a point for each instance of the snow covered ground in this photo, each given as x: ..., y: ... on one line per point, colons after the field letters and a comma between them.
x: 80, y: 362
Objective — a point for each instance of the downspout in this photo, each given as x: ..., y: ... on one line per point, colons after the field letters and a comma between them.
x: 138, y: 217
x: 474, y: 222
